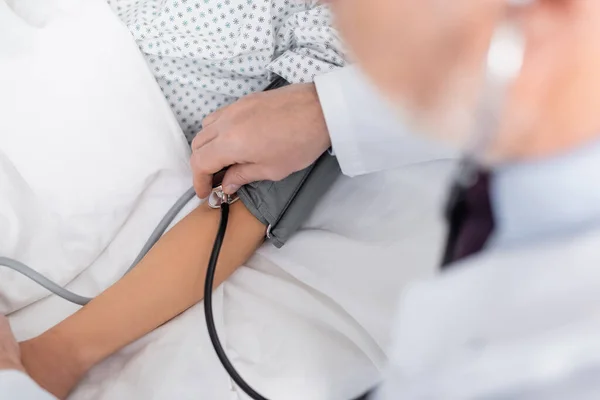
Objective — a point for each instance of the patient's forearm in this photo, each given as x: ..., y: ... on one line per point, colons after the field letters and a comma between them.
x: 169, y: 280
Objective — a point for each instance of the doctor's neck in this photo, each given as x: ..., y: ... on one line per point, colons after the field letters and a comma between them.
x: 540, y: 145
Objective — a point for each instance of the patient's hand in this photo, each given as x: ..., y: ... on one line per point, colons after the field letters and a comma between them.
x: 9, y: 350
x: 52, y: 363
x: 174, y: 269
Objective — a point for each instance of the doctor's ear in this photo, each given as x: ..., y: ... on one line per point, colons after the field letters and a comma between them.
x: 553, y: 104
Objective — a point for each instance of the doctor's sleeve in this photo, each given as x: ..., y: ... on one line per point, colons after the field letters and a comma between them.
x: 367, y: 133
x: 15, y: 385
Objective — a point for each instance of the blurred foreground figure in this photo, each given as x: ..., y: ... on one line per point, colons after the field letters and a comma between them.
x: 518, y: 319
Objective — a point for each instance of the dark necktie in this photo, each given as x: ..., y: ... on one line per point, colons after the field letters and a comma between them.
x: 470, y: 219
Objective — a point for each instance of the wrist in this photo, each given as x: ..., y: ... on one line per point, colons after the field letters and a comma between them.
x: 54, y: 362
x: 54, y: 348
x: 8, y: 363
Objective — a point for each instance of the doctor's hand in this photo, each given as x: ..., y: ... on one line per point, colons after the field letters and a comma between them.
x: 264, y: 136
x: 10, y: 356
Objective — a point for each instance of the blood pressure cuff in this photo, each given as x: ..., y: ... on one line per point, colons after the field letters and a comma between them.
x: 283, y: 206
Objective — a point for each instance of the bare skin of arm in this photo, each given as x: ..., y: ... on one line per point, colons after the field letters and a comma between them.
x: 168, y: 281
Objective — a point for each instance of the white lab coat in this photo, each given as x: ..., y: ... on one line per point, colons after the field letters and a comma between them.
x: 367, y: 133
x: 518, y: 323
x: 521, y: 319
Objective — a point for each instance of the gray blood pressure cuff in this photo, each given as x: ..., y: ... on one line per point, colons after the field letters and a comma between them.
x: 283, y: 206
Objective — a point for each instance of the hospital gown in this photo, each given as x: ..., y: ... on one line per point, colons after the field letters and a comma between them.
x: 206, y: 54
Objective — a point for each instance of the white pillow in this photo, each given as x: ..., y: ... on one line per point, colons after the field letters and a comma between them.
x: 84, y: 133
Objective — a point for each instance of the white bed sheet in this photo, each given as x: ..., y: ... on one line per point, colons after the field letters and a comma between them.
x: 309, y: 321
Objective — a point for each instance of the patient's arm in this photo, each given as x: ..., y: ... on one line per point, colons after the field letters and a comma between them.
x: 169, y: 280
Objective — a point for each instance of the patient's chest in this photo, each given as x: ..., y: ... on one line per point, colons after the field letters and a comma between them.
x: 209, y: 29
x: 207, y: 53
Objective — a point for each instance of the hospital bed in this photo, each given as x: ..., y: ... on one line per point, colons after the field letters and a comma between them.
x: 90, y: 159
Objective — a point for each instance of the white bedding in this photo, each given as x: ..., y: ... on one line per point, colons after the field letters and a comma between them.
x: 90, y: 159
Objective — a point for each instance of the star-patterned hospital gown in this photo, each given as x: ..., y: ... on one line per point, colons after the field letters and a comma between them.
x: 208, y: 53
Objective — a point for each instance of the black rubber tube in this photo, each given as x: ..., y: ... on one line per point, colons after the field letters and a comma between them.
x: 208, y: 311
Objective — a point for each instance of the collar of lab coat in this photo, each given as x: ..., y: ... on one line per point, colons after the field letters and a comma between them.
x: 557, y: 196
x: 519, y: 320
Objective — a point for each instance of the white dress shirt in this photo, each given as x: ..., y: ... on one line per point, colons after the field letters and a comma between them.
x: 367, y: 133
x: 521, y: 319
x: 15, y: 385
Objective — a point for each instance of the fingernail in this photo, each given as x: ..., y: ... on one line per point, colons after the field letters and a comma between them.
x: 231, y: 189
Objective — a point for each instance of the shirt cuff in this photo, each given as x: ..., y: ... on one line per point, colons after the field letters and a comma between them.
x: 338, y: 117
x: 18, y: 386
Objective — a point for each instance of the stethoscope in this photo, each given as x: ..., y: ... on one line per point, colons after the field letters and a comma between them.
x: 503, y: 66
